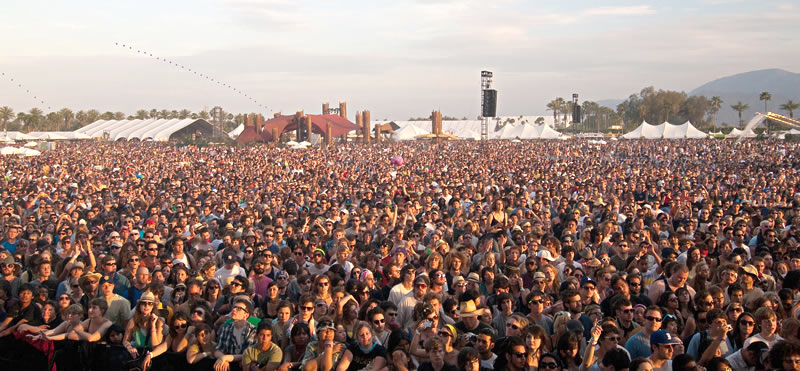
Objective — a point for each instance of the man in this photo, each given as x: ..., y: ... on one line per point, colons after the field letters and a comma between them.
x: 469, y: 323
x: 677, y: 279
x: 635, y: 290
x: 10, y: 242
x: 404, y: 288
x: 620, y: 259
x: 140, y: 283
x: 119, y: 308
x: 230, y: 268
x: 259, y: 278
x: 535, y: 301
x: 324, y: 353
x: 661, y: 343
x: 620, y: 290
x: 517, y: 355
x: 469, y: 359
x: 317, y: 264
x: 588, y: 291
x: 484, y: 345
x: 264, y: 355
x: 406, y: 307
x: 623, y: 308
x: 108, y: 268
x: 639, y: 345
x: 236, y: 336
x: 377, y: 320
x: 8, y: 275
x: 747, y: 359
x: 717, y: 331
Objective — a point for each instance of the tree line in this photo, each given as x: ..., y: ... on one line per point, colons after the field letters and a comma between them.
x: 655, y: 107
x: 66, y: 119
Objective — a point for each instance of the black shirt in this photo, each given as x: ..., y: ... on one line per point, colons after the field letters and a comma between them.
x: 427, y: 366
x: 362, y: 359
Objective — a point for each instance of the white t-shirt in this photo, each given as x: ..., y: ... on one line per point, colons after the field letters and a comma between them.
x: 757, y: 337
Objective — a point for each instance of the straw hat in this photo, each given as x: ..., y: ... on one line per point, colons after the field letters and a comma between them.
x: 468, y: 309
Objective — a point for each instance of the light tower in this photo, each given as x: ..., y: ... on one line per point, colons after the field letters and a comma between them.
x: 488, y: 103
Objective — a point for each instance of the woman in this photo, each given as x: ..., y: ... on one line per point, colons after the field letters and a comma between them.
x: 549, y: 361
x: 64, y: 300
x: 365, y: 352
x: 178, y: 336
x: 202, y: 350
x: 559, y: 328
x: 535, y: 340
x: 685, y: 303
x: 426, y: 328
x: 269, y: 308
x: 551, y: 278
x: 322, y: 288
x: 281, y: 321
x: 670, y: 304
x: 433, y: 262
x: 145, y: 331
x: 347, y: 315
x: 212, y: 293
x: 454, y: 262
x: 497, y: 220
x: 744, y: 328
x: 299, y: 338
x: 702, y: 272
x: 567, y: 351
x: 93, y: 328
x: 50, y: 319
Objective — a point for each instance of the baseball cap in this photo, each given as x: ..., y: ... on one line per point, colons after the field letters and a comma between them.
x: 662, y: 337
x: 544, y: 254
x: 586, y: 280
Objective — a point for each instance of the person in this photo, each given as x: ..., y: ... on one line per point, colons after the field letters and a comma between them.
x: 785, y: 355
x: 435, y: 349
x: 406, y: 306
x: 264, y: 355
x: 235, y: 336
x: 604, y: 339
x: 767, y: 322
x: 469, y: 359
x: 639, y: 345
x: 661, y: 350
x: 747, y: 358
x: 145, y: 331
x: 119, y: 308
x: 485, y: 344
x: 718, y: 333
x: 641, y: 364
x: 201, y: 351
x: 365, y: 352
x: 324, y: 353
x: 516, y: 356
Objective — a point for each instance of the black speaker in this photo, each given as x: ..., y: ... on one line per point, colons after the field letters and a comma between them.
x: 576, y: 114
x: 489, y: 105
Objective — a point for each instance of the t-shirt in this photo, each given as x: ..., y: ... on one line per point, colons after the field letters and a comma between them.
x: 254, y: 355
x: 463, y: 329
x: 362, y: 359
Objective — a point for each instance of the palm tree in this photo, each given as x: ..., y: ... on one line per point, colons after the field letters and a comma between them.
x: 163, y: 114
x: 765, y: 96
x: 740, y: 107
x: 92, y: 115
x: 788, y: 106
x: 716, y: 104
x: 7, y: 114
x: 184, y: 114
x: 65, y: 115
x: 555, y: 106
x: 119, y: 116
x: 34, y: 117
x: 142, y: 114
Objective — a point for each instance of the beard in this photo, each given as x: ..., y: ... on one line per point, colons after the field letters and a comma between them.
x: 259, y: 270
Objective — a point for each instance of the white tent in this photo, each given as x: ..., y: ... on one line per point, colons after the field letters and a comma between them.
x: 16, y: 135
x: 235, y: 132
x: 408, y: 132
x: 550, y: 133
x: 470, y: 134
x: 31, y: 144
x: 665, y: 130
x: 9, y: 151
x: 29, y: 152
x: 49, y: 135
x: 748, y: 133
x: 793, y: 132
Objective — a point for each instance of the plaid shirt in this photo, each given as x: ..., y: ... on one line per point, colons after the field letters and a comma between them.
x: 226, y: 341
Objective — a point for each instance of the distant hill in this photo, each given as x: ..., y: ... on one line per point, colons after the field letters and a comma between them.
x: 746, y: 87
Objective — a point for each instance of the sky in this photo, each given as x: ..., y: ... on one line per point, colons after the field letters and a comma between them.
x: 398, y: 59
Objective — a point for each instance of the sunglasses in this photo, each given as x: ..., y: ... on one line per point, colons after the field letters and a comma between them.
x: 199, y: 312
x: 379, y: 321
x: 548, y: 365
x: 234, y: 283
x: 654, y: 319
x: 308, y: 309
x: 521, y: 355
x: 182, y: 326
x: 324, y: 284
x: 512, y: 326
x: 613, y: 338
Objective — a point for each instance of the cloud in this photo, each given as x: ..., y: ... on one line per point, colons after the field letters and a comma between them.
x: 620, y: 10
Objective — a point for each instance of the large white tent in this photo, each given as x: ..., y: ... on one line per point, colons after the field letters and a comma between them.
x: 408, y: 132
x: 155, y: 129
x: 747, y: 133
x: 18, y: 136
x: 666, y: 131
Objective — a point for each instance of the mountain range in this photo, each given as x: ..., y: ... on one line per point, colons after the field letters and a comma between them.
x: 745, y: 87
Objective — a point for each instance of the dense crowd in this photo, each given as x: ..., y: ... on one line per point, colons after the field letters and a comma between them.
x: 550, y: 255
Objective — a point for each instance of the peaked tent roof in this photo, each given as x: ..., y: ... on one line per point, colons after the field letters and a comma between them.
x: 339, y: 125
x: 408, y: 132
x: 155, y: 129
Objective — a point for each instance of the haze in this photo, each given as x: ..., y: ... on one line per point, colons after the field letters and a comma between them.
x: 396, y: 58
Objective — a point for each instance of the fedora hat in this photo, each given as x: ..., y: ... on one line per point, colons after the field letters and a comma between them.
x: 468, y: 309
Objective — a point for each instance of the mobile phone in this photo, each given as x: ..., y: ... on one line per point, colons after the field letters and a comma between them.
x: 427, y: 323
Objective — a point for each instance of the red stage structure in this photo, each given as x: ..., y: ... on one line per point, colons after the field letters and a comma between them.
x: 327, y: 125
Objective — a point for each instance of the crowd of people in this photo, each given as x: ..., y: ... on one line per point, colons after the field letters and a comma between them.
x: 548, y: 255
